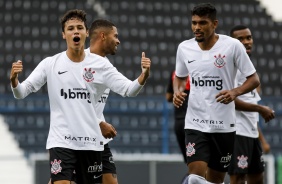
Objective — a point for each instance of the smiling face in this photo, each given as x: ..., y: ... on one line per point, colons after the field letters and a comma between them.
x: 245, y: 37
x: 75, y: 33
x: 111, y: 41
x: 203, y: 27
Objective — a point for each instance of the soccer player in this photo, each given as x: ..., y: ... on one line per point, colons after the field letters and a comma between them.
x: 247, y: 163
x: 211, y: 60
x: 75, y: 140
x: 179, y: 114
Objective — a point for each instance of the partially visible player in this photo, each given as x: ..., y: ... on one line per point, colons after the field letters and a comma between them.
x: 179, y: 114
x: 247, y: 163
x: 211, y: 60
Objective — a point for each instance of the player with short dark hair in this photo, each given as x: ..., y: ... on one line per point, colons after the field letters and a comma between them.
x: 211, y: 60
x: 247, y: 163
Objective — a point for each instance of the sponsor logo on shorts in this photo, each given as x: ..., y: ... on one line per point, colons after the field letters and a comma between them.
x: 242, y: 163
x: 190, y: 150
x: 95, y: 168
x: 225, y: 160
x: 55, y: 166
x: 111, y: 159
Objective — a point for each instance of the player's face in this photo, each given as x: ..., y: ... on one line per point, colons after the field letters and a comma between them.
x: 75, y: 34
x: 245, y: 37
x: 112, y: 41
x: 203, y: 28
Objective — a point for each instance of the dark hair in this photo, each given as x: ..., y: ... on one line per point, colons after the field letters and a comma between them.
x: 237, y: 28
x: 100, y: 23
x: 73, y: 14
x: 204, y: 9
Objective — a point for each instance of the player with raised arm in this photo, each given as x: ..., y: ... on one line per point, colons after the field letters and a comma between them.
x: 211, y: 60
x: 247, y: 163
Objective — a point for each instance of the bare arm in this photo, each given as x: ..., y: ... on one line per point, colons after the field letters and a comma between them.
x: 179, y: 84
x: 264, y: 143
x: 227, y: 96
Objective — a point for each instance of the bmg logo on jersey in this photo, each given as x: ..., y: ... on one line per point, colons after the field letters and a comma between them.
x: 208, y: 81
x: 76, y: 93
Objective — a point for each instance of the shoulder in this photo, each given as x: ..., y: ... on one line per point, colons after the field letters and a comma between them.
x: 228, y: 39
x: 96, y: 61
x: 54, y: 58
x: 186, y: 43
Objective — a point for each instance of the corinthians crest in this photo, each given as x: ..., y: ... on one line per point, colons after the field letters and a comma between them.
x: 219, y: 61
x: 190, y: 150
x: 88, y: 75
x: 242, y: 163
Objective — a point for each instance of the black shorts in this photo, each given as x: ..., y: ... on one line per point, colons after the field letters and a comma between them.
x: 247, y: 156
x: 213, y: 148
x: 108, y: 161
x: 87, y: 165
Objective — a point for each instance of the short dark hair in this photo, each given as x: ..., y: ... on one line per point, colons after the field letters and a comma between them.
x: 73, y: 14
x: 100, y: 23
x: 205, y: 9
x: 237, y: 28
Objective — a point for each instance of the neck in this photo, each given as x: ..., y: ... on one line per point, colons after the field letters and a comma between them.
x: 209, y: 43
x: 75, y: 55
x: 96, y: 49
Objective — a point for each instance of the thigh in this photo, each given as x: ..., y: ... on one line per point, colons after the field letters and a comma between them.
x: 62, y: 164
x: 89, y: 167
x: 197, y: 146
x: 257, y: 162
x: 242, y: 155
x: 108, y: 161
x: 221, y: 149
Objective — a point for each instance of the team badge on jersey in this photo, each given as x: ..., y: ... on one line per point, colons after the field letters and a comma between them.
x: 242, y: 163
x: 88, y: 75
x: 55, y: 166
x: 190, y: 150
x: 219, y: 61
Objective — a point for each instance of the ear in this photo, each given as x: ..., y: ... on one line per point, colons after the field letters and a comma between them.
x: 87, y: 33
x: 215, y: 23
x: 103, y: 35
x: 63, y: 35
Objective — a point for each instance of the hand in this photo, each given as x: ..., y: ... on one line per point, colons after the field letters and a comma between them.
x: 265, y: 147
x: 226, y: 96
x: 267, y: 113
x: 17, y: 67
x: 178, y: 99
x: 145, y: 64
x: 108, y: 131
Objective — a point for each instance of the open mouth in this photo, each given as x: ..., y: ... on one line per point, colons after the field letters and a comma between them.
x: 76, y: 39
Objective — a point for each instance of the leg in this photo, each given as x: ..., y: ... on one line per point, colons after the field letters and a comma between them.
x: 62, y: 165
x: 180, y: 135
x: 109, y: 168
x: 238, y: 178
x: 255, y: 178
x: 215, y: 176
x: 110, y: 178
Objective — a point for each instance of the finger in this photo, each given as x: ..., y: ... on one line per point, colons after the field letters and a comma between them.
x: 143, y: 54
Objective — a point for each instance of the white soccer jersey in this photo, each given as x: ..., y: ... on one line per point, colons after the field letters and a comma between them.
x: 100, y: 74
x: 210, y: 72
x: 73, y: 122
x: 246, y: 122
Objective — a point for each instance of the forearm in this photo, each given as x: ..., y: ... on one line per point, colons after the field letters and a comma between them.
x: 244, y: 106
x: 179, y: 84
x: 251, y: 83
x: 142, y: 78
x: 134, y: 88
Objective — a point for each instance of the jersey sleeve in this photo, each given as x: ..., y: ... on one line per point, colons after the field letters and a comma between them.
x: 33, y: 83
x: 242, y: 60
x: 118, y: 83
x: 180, y: 68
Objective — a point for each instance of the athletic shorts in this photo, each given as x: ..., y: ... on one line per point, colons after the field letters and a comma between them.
x: 247, y: 156
x: 213, y: 148
x: 108, y: 161
x: 87, y: 165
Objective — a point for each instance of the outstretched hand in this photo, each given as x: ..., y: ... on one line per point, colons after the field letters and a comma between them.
x: 108, y: 131
x: 17, y: 67
x: 145, y: 64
